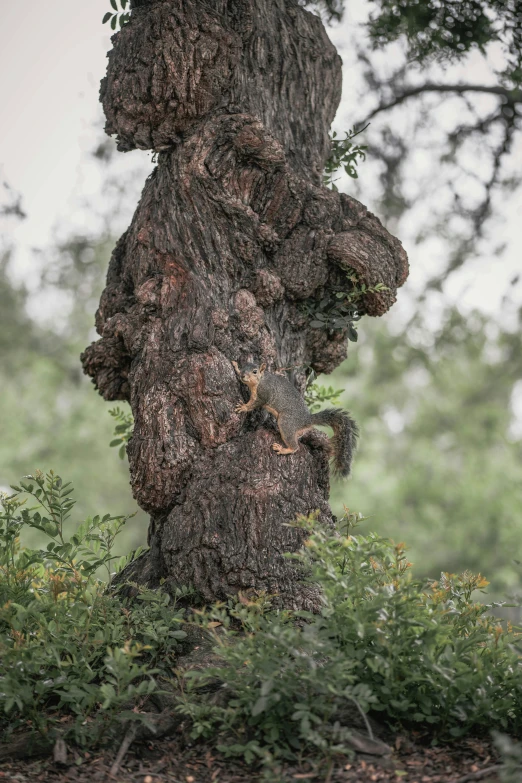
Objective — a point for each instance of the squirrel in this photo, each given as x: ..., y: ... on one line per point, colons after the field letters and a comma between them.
x: 279, y: 397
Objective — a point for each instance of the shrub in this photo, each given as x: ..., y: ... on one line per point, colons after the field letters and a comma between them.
x: 69, y: 648
x: 421, y: 654
x: 76, y: 655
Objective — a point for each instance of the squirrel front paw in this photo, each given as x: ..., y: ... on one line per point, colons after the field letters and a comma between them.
x: 242, y: 408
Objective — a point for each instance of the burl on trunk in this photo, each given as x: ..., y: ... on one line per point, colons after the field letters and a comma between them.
x: 233, y: 232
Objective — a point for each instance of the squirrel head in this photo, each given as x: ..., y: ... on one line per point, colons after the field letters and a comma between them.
x: 251, y: 374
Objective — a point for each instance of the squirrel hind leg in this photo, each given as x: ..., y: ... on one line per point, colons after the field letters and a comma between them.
x: 281, y: 449
x: 289, y: 435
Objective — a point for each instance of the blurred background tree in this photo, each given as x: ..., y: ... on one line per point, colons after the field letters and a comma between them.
x: 436, y: 385
x: 439, y: 465
x: 51, y: 417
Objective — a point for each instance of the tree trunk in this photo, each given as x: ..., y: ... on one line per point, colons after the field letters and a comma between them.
x: 233, y: 232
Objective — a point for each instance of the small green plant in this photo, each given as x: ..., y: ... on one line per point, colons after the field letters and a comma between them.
x: 316, y: 395
x: 122, y: 431
x: 119, y: 16
x: 418, y: 654
x: 341, y: 307
x: 344, y: 154
x: 72, y: 653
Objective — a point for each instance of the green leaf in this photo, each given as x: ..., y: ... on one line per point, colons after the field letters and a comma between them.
x: 114, y: 21
x: 260, y: 706
x: 114, y: 4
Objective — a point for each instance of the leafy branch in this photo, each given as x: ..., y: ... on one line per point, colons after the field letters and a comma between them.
x: 123, y: 430
x: 344, y: 155
x: 89, y: 548
x: 119, y: 16
x: 341, y: 307
x: 316, y: 395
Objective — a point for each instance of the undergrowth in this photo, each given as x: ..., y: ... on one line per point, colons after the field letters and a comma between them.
x: 78, y: 657
x: 72, y: 652
x: 414, y: 654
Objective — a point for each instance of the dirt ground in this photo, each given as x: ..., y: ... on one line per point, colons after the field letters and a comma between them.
x: 173, y: 761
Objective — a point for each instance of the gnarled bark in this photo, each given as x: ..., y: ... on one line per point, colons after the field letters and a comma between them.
x: 233, y: 232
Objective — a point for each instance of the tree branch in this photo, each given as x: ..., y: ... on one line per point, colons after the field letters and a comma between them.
x: 511, y: 97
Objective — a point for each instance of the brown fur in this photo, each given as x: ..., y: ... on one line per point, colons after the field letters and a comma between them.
x: 280, y: 398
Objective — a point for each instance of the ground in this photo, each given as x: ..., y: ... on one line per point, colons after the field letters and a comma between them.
x: 174, y: 761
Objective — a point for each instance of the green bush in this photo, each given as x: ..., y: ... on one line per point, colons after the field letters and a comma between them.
x: 72, y: 652
x: 79, y: 656
x: 422, y: 654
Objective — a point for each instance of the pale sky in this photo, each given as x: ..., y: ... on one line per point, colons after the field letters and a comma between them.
x: 52, y: 56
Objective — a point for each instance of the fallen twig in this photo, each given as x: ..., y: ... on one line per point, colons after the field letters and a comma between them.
x: 480, y: 775
x: 128, y: 739
x: 363, y: 715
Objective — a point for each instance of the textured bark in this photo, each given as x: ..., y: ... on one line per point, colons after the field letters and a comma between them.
x: 232, y: 233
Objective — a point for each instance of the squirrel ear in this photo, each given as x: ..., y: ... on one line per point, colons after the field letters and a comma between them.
x: 262, y: 368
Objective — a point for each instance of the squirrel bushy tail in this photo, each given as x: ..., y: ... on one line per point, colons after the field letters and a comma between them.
x: 344, y: 441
